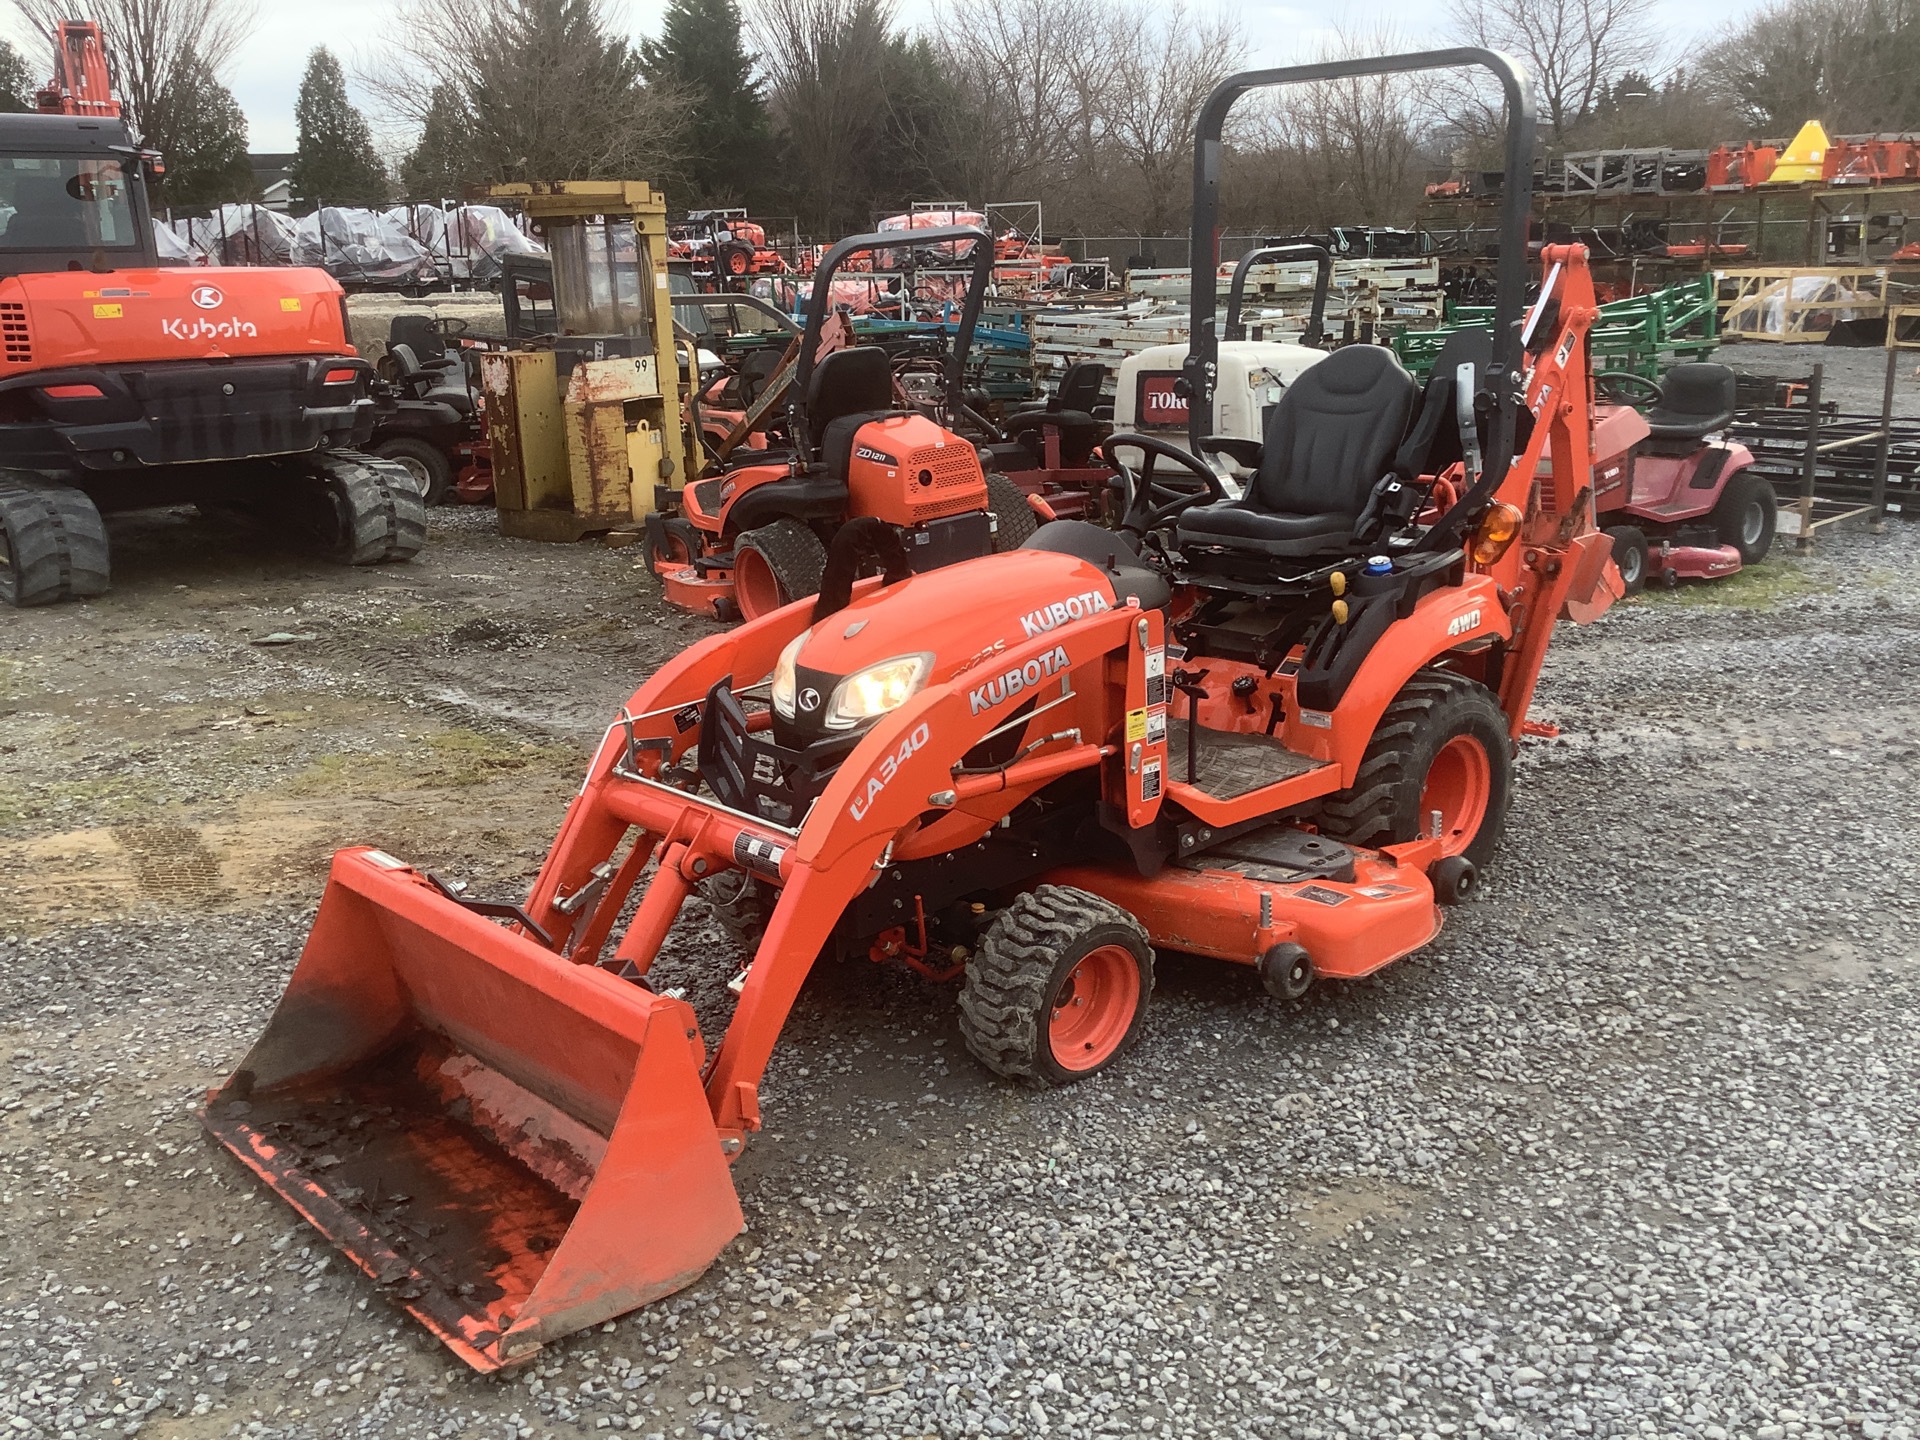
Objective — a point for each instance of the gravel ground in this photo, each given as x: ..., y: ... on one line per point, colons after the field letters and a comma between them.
x: 1630, y: 1151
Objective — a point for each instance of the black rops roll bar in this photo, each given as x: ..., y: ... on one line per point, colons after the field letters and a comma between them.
x: 820, y: 303
x: 1266, y: 255
x: 1502, y: 379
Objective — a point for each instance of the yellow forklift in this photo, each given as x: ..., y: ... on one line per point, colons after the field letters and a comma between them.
x: 585, y: 422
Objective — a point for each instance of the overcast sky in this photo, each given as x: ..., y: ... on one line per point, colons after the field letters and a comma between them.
x: 267, y: 73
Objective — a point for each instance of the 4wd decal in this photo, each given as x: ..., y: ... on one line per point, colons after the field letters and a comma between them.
x: 1461, y: 624
x: 878, y: 457
x: 878, y: 781
x: 1016, y: 681
x: 234, y: 329
x: 1074, y: 607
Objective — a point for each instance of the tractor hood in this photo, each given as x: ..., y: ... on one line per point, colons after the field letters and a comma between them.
x: 139, y: 317
x: 960, y: 617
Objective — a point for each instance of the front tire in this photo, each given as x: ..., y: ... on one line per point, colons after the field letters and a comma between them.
x: 1441, y: 745
x: 1058, y: 987
x: 1630, y: 552
x: 1746, y: 516
x: 775, y: 566
x: 432, y: 471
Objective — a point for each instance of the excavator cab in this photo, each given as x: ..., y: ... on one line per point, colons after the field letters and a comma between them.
x: 72, y: 197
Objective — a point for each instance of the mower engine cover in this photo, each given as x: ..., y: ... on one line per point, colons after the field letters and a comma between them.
x: 1253, y: 375
x: 887, y: 645
x: 907, y: 470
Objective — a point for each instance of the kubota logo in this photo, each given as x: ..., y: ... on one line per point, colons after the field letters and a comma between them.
x: 1074, y: 607
x: 208, y: 297
x: 1015, y: 682
x: 234, y: 329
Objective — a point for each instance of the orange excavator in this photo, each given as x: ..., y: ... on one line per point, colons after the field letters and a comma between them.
x: 125, y: 384
x: 1277, y: 729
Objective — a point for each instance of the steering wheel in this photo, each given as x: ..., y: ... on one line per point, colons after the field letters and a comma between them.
x: 1618, y: 385
x: 1151, y: 502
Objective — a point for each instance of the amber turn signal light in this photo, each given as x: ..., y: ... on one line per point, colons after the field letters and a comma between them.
x: 1497, y: 529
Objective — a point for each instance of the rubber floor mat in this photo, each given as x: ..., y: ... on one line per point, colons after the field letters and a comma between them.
x: 1229, y: 764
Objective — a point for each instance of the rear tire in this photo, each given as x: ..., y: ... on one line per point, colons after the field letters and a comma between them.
x: 775, y: 566
x: 374, y: 513
x: 53, y: 543
x: 1013, y: 519
x: 432, y: 471
x: 1630, y: 557
x: 1058, y: 987
x: 1746, y: 515
x: 1442, y: 744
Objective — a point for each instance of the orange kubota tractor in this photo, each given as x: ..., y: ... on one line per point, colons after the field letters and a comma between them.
x: 1274, y: 730
x: 125, y: 385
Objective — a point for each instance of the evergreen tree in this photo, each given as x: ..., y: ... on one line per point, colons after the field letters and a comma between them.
x: 700, y: 53
x: 207, y: 160
x: 335, y: 163
x: 442, y: 165
x: 16, y: 81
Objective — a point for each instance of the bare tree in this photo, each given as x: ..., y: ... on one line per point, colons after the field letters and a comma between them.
x: 157, y: 49
x: 1356, y: 137
x: 1161, y: 64
x: 541, y: 89
x: 1030, y: 74
x: 1569, y: 48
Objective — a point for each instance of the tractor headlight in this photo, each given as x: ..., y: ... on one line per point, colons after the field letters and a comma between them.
x: 783, y: 684
x: 870, y: 693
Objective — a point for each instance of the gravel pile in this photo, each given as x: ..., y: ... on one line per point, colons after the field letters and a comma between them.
x: 1630, y: 1151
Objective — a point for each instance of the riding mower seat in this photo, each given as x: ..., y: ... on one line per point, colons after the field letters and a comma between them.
x: 1113, y: 552
x: 1328, y: 444
x: 848, y: 389
x: 1071, y: 411
x: 1695, y: 401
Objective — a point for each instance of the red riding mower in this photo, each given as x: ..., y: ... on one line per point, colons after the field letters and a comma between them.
x: 754, y: 537
x: 1273, y: 730
x: 1676, y: 496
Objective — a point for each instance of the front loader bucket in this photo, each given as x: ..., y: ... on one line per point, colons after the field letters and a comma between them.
x: 514, y: 1146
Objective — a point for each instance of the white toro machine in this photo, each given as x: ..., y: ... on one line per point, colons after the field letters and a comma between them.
x: 1251, y: 374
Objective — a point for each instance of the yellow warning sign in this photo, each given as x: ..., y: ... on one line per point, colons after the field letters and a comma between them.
x: 1136, y: 725
x: 108, y: 312
x: 291, y: 304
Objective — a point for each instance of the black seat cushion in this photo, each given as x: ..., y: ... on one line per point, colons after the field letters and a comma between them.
x: 1695, y: 401
x: 1329, y: 441
x: 848, y: 382
x: 1113, y: 552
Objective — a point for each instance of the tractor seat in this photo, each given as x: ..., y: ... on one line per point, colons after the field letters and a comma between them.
x: 1695, y: 401
x: 429, y: 381
x: 848, y: 389
x: 1113, y: 552
x: 1329, y: 441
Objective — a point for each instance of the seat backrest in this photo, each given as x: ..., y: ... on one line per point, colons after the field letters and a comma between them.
x: 420, y: 334
x: 1696, y: 392
x: 1333, y: 433
x: 1434, y: 441
x: 846, y: 383
x: 1080, y: 386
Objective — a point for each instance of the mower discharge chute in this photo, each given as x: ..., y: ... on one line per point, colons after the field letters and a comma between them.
x: 1272, y: 735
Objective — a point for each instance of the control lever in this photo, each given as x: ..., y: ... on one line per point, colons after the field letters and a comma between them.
x: 1467, y: 421
x: 1191, y: 683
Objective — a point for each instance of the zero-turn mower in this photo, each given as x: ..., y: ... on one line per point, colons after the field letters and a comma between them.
x: 753, y: 537
x: 1274, y: 730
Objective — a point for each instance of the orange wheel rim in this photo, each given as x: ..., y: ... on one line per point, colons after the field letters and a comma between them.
x: 755, y: 587
x: 1459, y: 786
x: 1094, y: 1008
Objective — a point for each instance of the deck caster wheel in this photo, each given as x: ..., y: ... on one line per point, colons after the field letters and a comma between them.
x: 1057, y: 988
x: 776, y: 565
x: 1286, y: 971
x: 1454, y: 879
